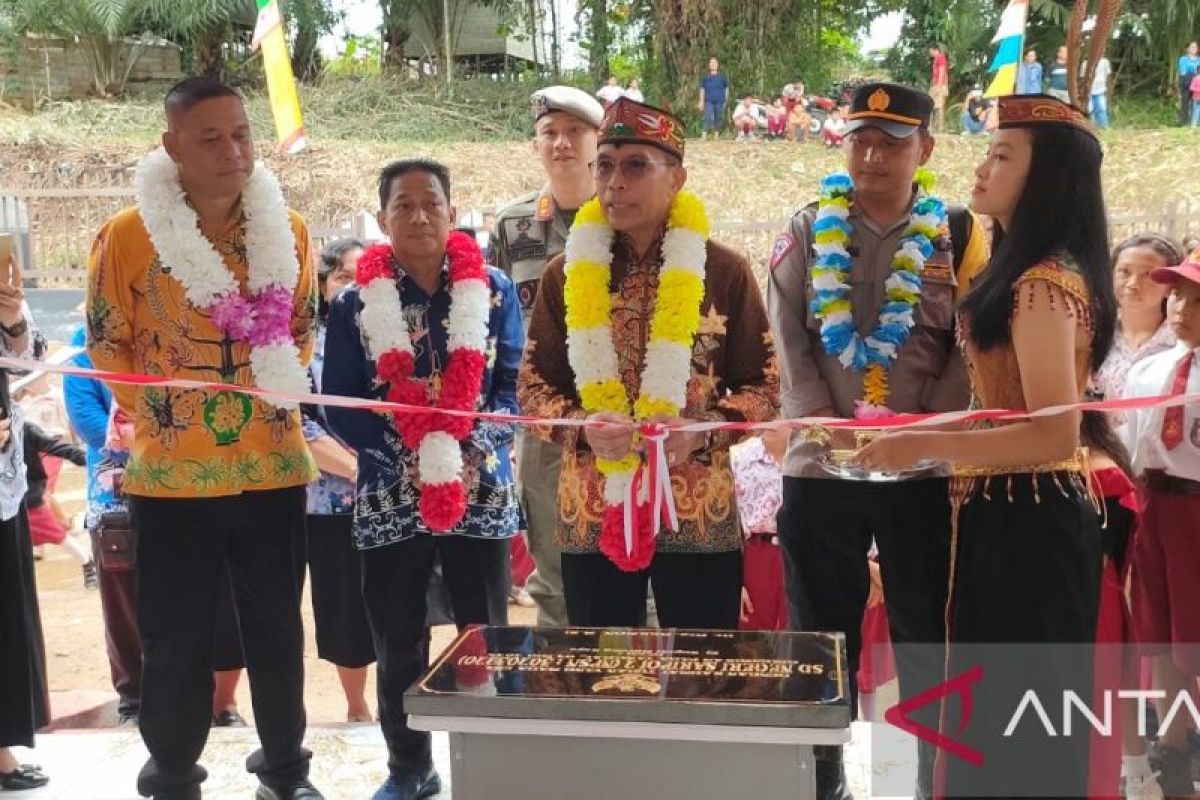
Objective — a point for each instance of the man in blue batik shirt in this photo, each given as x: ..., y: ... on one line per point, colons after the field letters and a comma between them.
x: 397, y: 547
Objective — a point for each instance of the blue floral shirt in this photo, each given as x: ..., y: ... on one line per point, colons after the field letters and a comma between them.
x: 385, y: 509
x: 329, y: 493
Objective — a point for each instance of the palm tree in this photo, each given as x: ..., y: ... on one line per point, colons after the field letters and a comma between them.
x: 100, y: 26
x: 108, y: 30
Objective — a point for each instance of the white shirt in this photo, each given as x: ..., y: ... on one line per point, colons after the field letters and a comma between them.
x: 610, y: 94
x: 635, y: 95
x: 1143, y: 430
x: 834, y: 125
x: 1100, y: 81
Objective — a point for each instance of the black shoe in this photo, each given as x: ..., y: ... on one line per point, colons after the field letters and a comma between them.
x: 1174, y: 768
x: 191, y: 793
x: 229, y: 718
x: 412, y: 787
x: 831, y: 774
x: 25, y: 776
x: 301, y: 790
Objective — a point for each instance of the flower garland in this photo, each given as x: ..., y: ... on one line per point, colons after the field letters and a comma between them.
x: 263, y: 320
x: 592, y: 355
x: 434, y: 436
x: 830, y: 276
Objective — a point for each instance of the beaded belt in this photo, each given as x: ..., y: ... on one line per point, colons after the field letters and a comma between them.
x: 1076, y: 463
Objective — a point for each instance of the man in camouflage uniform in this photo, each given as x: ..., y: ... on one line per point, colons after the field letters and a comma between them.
x: 529, y: 232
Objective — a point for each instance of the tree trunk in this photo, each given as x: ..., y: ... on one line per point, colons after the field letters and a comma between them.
x: 555, y: 45
x: 534, y: 31
x: 306, y: 57
x: 395, y: 35
x: 598, y: 53
x: 208, y: 52
x: 447, y: 45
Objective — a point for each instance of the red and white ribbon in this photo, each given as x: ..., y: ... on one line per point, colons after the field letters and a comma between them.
x: 896, y: 421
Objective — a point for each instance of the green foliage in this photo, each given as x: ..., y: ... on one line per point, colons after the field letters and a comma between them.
x: 1143, y: 110
x: 963, y: 28
x: 1151, y: 35
x: 361, y: 57
x: 307, y: 21
x: 100, y: 26
x: 761, y: 45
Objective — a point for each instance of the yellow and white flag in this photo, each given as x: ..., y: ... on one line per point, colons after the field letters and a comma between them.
x: 281, y: 83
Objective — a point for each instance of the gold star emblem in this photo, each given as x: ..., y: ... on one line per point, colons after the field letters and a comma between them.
x: 492, y: 461
x: 712, y: 323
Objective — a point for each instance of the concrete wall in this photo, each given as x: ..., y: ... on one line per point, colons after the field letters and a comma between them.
x: 55, y: 69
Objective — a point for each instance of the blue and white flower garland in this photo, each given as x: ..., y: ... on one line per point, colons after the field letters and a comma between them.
x: 830, y: 275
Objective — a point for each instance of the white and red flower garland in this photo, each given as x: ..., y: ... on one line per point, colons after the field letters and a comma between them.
x: 262, y: 320
x: 434, y: 436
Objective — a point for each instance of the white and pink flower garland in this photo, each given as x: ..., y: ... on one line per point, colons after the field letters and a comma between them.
x: 434, y: 436
x: 262, y: 320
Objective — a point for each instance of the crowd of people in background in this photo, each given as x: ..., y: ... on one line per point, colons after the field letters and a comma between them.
x: 612, y: 91
x: 792, y: 115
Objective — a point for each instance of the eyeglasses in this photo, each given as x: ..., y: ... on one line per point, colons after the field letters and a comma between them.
x: 634, y: 169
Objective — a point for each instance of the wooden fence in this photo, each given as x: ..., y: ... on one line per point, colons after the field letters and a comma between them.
x: 54, y: 228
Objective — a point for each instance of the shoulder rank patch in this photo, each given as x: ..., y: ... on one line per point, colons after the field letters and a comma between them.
x: 937, y: 273
x: 784, y: 244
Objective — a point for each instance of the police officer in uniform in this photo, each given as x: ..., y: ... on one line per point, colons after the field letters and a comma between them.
x: 828, y: 520
x: 529, y: 232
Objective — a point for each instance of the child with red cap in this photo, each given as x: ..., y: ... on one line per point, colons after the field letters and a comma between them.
x: 1165, y: 444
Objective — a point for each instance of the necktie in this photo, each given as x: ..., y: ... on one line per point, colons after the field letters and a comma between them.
x: 1172, y: 429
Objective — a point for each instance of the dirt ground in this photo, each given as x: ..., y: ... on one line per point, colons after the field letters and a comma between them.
x: 77, y: 665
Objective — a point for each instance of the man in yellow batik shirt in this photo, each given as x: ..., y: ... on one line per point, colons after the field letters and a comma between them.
x: 209, y: 278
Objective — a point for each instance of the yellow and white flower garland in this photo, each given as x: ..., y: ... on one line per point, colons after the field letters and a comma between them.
x: 591, y: 351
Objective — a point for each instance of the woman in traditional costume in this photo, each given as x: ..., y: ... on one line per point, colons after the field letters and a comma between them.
x: 1027, y: 549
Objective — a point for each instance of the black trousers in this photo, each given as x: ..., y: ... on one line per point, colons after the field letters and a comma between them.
x: 395, y: 578
x: 339, y: 613
x: 691, y: 590
x: 183, y: 549
x: 24, y: 700
x: 123, y: 640
x: 1024, y: 608
x: 1185, y: 100
x: 826, y: 527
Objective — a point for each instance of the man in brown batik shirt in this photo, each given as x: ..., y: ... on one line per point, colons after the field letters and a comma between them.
x: 696, y: 570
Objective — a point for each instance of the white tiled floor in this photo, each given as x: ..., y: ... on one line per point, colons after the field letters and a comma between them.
x: 348, y: 763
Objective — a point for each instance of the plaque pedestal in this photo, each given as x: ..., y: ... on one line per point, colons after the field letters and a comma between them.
x: 535, y: 760
x: 546, y: 714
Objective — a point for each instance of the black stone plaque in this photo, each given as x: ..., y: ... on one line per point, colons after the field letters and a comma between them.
x: 773, y: 679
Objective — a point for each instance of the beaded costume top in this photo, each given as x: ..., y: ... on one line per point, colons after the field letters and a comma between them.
x: 994, y: 373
